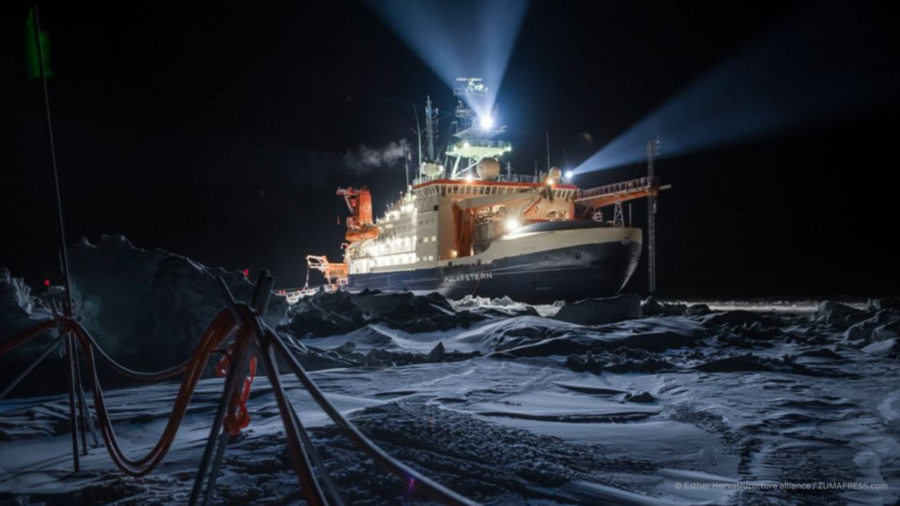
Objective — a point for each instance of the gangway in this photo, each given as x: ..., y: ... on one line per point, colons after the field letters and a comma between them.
x: 602, y: 196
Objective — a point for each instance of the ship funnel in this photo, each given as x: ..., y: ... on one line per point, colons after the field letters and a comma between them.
x: 488, y: 169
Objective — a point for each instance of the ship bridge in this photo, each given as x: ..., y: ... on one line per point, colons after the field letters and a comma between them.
x: 479, y: 148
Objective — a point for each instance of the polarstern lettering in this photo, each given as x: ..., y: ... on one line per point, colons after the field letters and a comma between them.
x: 473, y: 276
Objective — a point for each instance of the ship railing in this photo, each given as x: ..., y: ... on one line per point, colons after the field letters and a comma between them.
x: 623, y: 187
x: 427, y: 179
x: 503, y: 178
x: 293, y: 295
x: 479, y: 143
x: 519, y: 178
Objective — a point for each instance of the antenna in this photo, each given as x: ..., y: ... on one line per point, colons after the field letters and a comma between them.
x: 652, y: 148
x: 64, y: 257
x: 473, y: 129
x: 71, y: 351
x: 548, y: 151
x: 406, y: 159
x: 430, y: 115
x: 418, y: 134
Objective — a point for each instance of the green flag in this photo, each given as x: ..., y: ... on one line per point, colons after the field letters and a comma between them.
x: 32, y: 55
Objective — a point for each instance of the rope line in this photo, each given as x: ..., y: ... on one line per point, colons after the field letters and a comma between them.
x: 254, y: 339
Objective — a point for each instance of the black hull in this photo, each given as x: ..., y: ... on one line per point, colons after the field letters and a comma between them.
x: 571, y: 273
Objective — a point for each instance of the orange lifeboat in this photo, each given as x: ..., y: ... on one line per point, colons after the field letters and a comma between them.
x: 359, y: 225
x: 362, y: 233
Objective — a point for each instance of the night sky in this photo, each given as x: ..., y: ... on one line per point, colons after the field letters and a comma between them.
x: 221, y: 130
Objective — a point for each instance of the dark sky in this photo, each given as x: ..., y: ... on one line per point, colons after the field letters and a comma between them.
x: 219, y: 130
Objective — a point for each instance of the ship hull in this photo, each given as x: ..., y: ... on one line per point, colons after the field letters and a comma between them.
x: 569, y: 273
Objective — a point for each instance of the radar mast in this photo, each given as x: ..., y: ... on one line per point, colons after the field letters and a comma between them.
x: 477, y: 122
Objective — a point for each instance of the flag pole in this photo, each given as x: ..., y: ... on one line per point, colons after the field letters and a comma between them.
x: 74, y: 380
x: 62, y: 228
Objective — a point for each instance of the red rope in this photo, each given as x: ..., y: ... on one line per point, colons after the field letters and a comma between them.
x: 238, y: 415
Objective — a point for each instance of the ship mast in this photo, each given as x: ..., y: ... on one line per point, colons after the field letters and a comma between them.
x: 418, y: 132
x: 652, y: 147
x: 430, y: 127
x: 477, y: 129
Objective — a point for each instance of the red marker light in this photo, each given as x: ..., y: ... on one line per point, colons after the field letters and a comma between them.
x: 246, y: 272
x: 46, y: 282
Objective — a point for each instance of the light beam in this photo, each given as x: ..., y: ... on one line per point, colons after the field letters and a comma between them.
x: 813, y: 70
x: 459, y: 38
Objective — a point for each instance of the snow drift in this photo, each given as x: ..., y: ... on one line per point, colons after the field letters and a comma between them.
x: 333, y: 313
x: 499, y: 412
x: 15, y: 303
x: 149, y: 308
x: 611, y: 401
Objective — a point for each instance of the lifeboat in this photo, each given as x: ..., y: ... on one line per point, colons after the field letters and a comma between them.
x: 362, y: 233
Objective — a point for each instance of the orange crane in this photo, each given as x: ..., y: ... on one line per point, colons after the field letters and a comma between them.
x: 338, y: 272
x: 360, y: 225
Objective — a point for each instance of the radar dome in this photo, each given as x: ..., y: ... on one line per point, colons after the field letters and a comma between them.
x: 555, y: 174
x: 488, y: 168
x: 432, y: 169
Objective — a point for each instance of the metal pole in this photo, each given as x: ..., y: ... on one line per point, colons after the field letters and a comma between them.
x: 232, y: 382
x: 548, y: 151
x: 651, y: 216
x: 73, y: 416
x: 62, y: 228
x: 292, y: 427
x: 261, y: 294
x: 429, y: 128
x: 418, y: 136
x: 70, y: 345
x: 378, y: 455
x: 82, y: 409
x: 89, y: 419
x: 310, y: 447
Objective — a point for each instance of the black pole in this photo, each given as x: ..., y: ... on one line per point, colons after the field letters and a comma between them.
x: 261, y: 292
x: 62, y: 235
x: 232, y: 382
x: 62, y: 229
x: 73, y: 415
x: 82, y: 406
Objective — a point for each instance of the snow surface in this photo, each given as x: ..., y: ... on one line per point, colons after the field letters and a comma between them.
x: 539, y: 412
x: 15, y: 303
